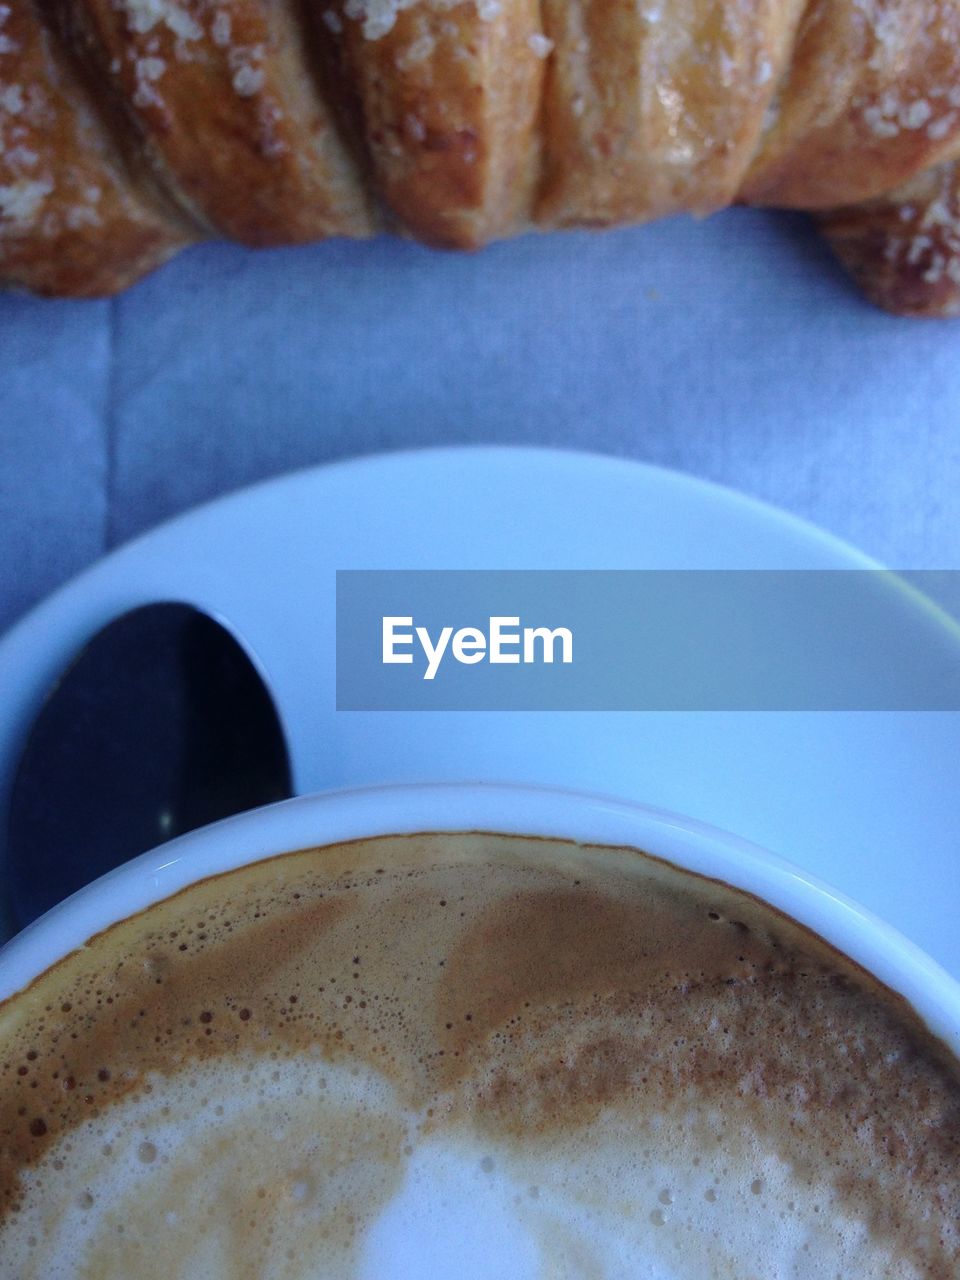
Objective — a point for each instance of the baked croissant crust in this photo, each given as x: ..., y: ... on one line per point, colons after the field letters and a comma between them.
x: 131, y: 128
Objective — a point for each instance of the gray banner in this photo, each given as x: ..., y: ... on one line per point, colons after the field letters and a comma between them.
x: 656, y: 640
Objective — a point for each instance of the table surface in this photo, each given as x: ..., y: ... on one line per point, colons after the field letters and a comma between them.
x: 732, y: 348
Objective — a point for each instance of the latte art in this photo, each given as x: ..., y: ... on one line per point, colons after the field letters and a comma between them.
x: 469, y: 1056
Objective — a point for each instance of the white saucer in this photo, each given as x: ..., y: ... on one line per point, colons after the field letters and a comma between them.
x: 870, y: 802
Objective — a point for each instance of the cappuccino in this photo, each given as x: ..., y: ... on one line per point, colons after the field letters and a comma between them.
x: 471, y: 1055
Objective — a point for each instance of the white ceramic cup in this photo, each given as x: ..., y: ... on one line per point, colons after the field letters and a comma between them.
x: 328, y: 818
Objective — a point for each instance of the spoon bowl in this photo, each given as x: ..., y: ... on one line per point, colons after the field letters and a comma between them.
x: 162, y: 723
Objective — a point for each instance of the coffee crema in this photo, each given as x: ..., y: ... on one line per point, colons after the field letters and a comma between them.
x: 471, y: 1055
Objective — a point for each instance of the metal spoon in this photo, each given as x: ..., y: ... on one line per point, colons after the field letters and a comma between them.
x: 160, y: 724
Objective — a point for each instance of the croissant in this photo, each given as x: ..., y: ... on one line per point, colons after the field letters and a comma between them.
x: 131, y: 128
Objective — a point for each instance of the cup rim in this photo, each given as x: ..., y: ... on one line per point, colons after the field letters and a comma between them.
x: 332, y: 817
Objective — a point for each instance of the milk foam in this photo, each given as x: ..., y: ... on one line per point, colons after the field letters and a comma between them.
x: 248, y: 1168
x: 323, y: 1174
x: 447, y: 1058
x: 682, y: 1199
